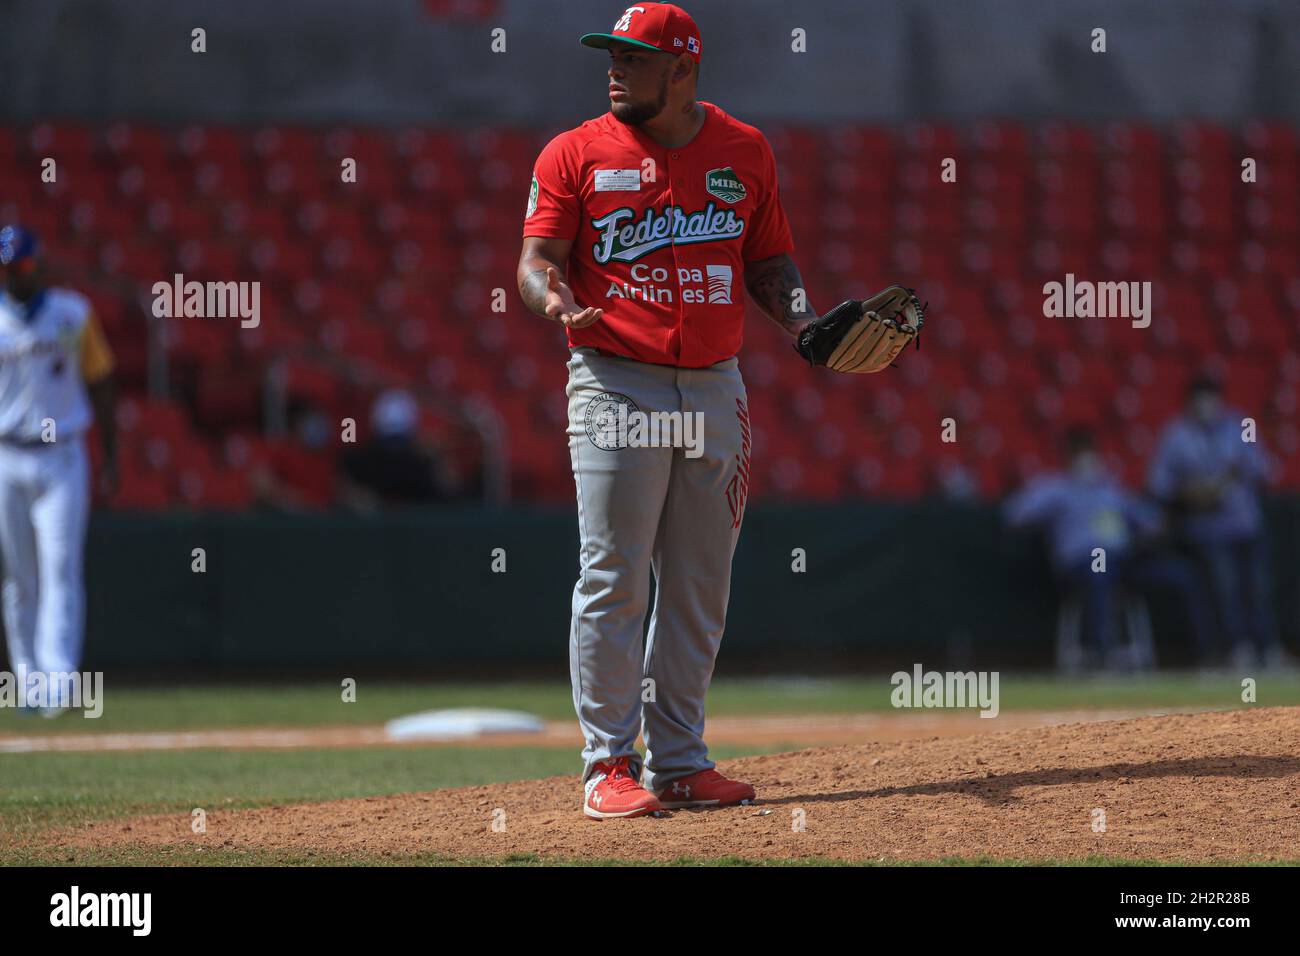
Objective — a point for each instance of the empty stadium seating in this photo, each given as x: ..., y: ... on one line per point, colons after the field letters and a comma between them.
x: 389, y: 280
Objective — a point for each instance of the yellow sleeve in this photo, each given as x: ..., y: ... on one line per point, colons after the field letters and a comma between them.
x: 96, y: 359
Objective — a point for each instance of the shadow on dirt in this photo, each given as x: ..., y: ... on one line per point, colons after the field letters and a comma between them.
x: 1000, y: 788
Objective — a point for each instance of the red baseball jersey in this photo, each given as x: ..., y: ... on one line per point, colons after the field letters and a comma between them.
x: 660, y: 236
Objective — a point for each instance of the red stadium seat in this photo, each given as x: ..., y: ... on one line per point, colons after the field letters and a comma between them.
x: 377, y: 281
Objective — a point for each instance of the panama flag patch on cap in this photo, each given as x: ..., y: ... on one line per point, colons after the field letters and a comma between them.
x: 693, y: 44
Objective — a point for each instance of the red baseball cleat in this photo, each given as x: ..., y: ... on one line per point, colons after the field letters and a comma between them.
x: 708, y: 788
x: 613, y: 792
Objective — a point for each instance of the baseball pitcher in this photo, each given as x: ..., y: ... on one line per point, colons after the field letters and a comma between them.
x: 641, y: 230
x: 54, y: 367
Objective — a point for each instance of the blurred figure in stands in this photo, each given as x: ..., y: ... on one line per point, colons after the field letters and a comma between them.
x: 1209, y: 477
x: 1085, y: 507
x: 394, y: 467
x: 292, y: 479
x: 954, y: 481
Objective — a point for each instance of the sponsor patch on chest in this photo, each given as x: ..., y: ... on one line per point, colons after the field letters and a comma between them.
x: 725, y: 184
x: 618, y: 180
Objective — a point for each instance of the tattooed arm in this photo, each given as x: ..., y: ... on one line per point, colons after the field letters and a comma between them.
x: 541, y: 276
x: 776, y: 288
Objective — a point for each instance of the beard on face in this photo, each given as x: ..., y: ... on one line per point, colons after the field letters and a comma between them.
x: 634, y: 114
x: 21, y: 287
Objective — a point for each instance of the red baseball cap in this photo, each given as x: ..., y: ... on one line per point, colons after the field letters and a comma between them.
x: 656, y: 26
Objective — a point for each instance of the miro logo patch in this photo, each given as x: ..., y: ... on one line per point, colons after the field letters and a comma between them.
x: 725, y: 184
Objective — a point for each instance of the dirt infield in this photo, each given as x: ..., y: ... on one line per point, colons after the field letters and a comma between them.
x: 1199, y: 787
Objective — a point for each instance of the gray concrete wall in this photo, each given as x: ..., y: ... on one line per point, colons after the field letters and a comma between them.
x: 389, y: 61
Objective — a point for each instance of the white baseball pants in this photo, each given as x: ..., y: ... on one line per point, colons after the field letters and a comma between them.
x: 44, y: 507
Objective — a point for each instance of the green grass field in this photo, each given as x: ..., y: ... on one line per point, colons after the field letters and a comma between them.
x: 43, y: 790
x: 228, y: 706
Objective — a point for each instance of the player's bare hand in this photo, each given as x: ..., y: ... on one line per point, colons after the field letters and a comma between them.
x: 561, y: 307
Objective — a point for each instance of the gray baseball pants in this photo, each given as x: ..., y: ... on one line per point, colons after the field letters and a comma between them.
x: 673, y: 511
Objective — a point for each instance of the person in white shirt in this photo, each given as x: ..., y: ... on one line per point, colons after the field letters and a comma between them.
x: 55, y: 379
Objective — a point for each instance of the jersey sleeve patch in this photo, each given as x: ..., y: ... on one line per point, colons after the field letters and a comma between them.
x: 553, y: 204
x: 96, y: 358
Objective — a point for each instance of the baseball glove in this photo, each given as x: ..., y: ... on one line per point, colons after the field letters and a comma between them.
x: 864, y: 335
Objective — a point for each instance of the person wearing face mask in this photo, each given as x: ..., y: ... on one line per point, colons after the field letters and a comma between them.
x: 1209, y: 476
x: 1085, y: 508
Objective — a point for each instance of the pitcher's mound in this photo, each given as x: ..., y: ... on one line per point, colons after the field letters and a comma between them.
x: 1195, y: 787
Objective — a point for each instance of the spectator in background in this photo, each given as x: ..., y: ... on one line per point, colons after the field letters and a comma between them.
x: 1085, y: 507
x: 955, y: 482
x: 393, y: 467
x: 1209, y: 477
x: 293, y: 480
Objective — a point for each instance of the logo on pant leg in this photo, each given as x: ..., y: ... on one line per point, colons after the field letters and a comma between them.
x: 614, y: 422
x: 738, y: 487
x: 602, y: 420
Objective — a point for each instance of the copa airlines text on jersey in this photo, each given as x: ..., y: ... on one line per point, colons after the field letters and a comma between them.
x: 717, y: 290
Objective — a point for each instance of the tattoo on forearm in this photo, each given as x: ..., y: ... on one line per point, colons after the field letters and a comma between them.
x: 778, y: 290
x: 533, y: 291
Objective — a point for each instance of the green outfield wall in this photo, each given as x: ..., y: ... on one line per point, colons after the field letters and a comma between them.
x: 926, y: 581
